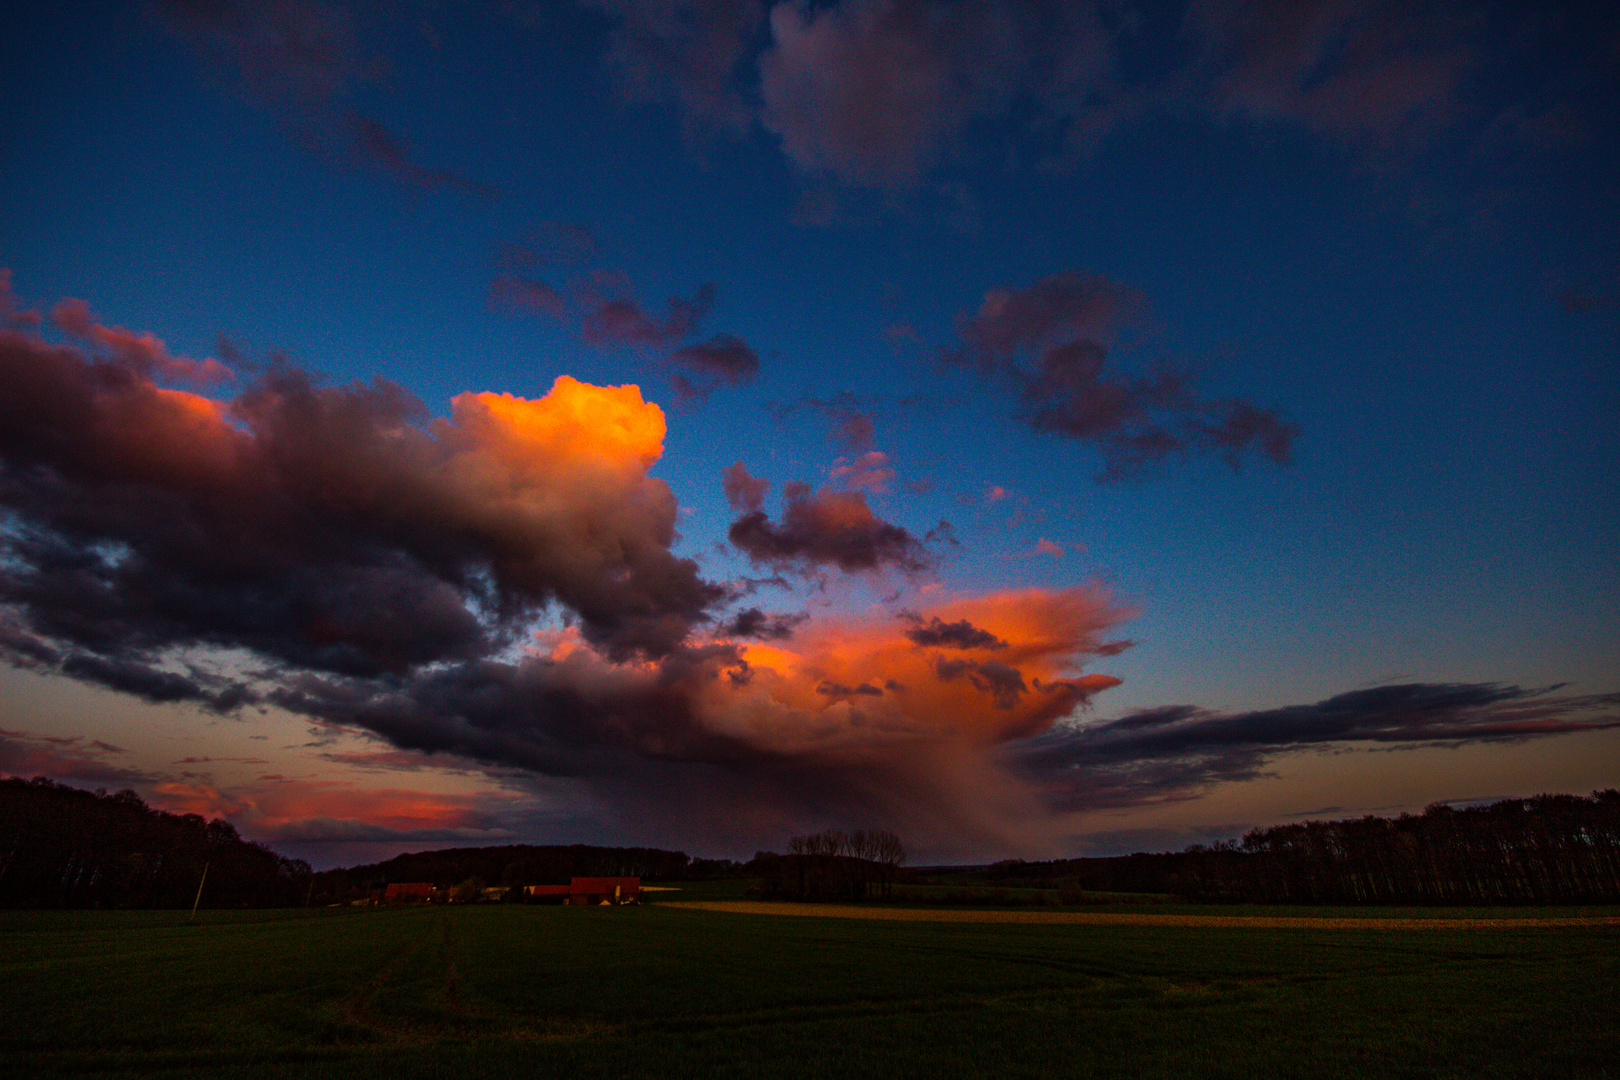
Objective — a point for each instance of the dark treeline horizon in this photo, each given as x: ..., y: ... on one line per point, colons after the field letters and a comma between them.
x: 62, y: 846
x: 832, y: 865
x: 1549, y: 849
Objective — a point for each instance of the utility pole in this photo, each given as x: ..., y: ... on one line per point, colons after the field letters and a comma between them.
x: 197, y: 901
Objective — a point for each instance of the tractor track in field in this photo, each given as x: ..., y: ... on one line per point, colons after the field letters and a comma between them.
x: 357, y: 1009
x: 1109, y: 918
x: 461, y: 1020
x: 452, y: 980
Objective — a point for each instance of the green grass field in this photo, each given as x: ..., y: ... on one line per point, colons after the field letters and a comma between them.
x: 661, y: 992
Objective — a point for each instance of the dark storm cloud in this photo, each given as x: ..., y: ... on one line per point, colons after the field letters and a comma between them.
x: 1004, y: 682
x: 961, y: 634
x: 381, y: 570
x: 832, y: 689
x: 1174, y: 750
x: 577, y: 718
x: 154, y: 685
x: 329, y: 528
x: 828, y: 529
x: 304, y: 61
x: 1049, y: 342
x: 757, y: 624
x: 384, y: 571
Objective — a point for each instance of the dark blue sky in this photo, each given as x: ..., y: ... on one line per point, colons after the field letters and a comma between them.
x: 1275, y: 340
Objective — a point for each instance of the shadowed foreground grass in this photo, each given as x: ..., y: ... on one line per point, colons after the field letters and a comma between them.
x: 664, y: 992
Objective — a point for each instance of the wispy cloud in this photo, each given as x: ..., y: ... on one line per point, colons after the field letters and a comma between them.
x: 1177, y: 751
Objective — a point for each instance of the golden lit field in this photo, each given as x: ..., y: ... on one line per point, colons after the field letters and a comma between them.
x: 1119, y: 918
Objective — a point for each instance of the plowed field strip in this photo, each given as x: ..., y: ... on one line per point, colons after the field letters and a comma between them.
x: 1102, y: 918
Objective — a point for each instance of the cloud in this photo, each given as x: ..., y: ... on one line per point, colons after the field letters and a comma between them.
x: 1352, y: 69
x: 877, y: 92
x: 724, y: 358
x: 496, y: 585
x: 376, y: 143
x: 143, y: 354
x: 1177, y: 751
x: 847, y: 720
x: 619, y: 320
x: 756, y: 624
x: 1580, y: 301
x: 869, y: 472
x: 153, y: 684
x: 852, y: 426
x: 609, y: 316
x: 331, y: 528
x: 885, y: 94
x: 866, y: 91
x: 689, y: 51
x: 743, y: 492
x: 1049, y: 343
x: 304, y: 61
x: 10, y: 314
x: 828, y: 529
x: 549, y: 243
x: 518, y: 292
x: 1048, y: 547
x: 27, y: 754
x: 957, y: 635
x: 294, y: 810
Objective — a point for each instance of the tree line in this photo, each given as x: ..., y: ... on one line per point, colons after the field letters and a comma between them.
x: 61, y: 847
x: 1550, y: 849
x: 832, y: 865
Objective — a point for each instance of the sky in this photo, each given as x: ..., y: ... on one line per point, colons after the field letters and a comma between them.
x: 1038, y: 429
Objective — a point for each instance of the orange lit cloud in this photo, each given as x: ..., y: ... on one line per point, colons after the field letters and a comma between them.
x: 848, y: 679
x: 332, y: 528
x: 144, y: 353
x: 894, y: 718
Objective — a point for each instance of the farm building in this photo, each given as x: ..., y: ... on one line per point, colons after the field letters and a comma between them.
x: 588, y: 890
x: 408, y: 892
